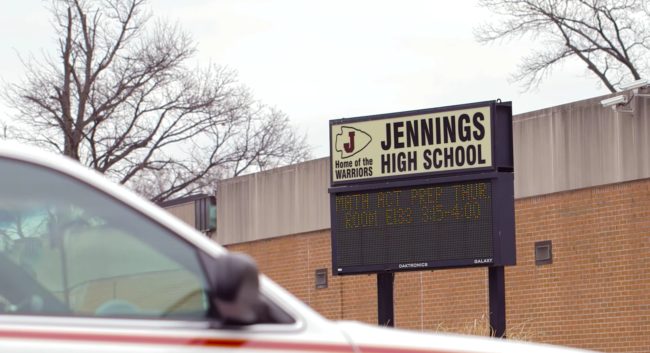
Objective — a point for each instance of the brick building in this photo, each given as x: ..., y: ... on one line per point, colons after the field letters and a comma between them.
x: 582, y: 182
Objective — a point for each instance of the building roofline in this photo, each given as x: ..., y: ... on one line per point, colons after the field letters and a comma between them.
x: 184, y: 199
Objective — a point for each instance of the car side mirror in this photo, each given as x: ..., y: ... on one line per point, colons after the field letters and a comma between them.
x: 235, y: 291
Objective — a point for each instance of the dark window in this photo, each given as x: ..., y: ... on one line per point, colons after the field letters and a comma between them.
x: 543, y: 253
x: 321, y: 278
x: 205, y: 214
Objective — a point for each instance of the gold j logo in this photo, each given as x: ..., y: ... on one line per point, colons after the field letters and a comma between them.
x: 351, y: 141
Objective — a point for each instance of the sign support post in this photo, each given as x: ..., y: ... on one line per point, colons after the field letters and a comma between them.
x: 385, y: 312
x: 497, y: 293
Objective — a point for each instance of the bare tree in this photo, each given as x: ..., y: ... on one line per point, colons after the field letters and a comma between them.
x: 611, y: 37
x: 261, y: 138
x: 122, y: 98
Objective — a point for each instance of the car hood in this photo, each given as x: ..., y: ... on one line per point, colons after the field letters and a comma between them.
x: 373, y: 339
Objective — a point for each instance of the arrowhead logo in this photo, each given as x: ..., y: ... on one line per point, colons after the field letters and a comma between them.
x: 351, y: 141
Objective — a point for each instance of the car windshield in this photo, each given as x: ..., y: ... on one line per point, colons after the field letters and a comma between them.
x: 66, y: 247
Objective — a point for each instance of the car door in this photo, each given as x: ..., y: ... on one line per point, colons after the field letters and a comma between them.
x: 83, y: 271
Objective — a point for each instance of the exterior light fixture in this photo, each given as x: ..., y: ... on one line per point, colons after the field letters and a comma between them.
x: 635, y: 85
x: 614, y: 101
x: 618, y: 102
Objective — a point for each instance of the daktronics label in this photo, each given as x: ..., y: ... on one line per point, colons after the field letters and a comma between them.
x: 427, y: 143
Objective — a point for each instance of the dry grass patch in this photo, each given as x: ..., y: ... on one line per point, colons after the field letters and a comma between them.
x: 481, y: 327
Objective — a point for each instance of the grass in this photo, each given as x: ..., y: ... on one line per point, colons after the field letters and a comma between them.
x: 481, y: 327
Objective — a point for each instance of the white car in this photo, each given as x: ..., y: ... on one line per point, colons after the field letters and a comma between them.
x: 88, y: 266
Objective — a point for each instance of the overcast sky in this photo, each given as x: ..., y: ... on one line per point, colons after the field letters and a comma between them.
x: 322, y: 60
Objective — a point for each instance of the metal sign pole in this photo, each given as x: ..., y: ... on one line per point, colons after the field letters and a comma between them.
x: 497, y: 293
x: 385, y: 313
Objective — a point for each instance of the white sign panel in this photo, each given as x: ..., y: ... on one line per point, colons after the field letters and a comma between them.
x: 418, y: 144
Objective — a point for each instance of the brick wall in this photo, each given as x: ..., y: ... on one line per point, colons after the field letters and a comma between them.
x: 595, y: 294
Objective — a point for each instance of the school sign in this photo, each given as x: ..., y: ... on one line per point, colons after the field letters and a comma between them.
x: 412, y: 143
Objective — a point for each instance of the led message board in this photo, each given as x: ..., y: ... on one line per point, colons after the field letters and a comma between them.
x: 422, y: 190
x: 418, y: 227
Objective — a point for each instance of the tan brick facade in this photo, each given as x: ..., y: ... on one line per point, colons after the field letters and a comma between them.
x: 595, y: 294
